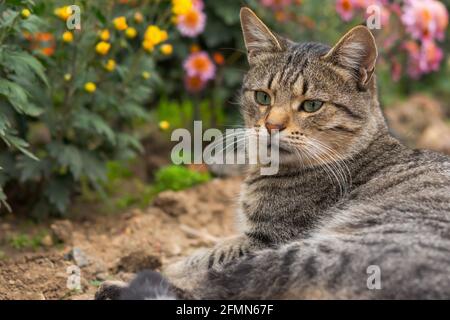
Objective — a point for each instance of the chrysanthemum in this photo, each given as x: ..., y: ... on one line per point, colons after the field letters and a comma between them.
x: 192, y: 23
x: 345, y: 9
x: 425, y: 19
x: 200, y: 64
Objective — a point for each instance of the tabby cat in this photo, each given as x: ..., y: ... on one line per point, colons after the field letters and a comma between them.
x: 349, y: 201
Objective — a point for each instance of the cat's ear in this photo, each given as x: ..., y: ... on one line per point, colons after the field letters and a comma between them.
x: 356, y: 52
x: 257, y: 36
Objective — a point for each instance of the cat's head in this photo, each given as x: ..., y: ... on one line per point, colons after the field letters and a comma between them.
x: 321, y: 100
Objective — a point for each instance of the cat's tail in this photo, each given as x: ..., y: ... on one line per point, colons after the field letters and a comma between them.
x: 147, y: 285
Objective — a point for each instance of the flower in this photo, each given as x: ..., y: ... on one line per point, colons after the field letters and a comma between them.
x: 110, y: 65
x: 276, y: 4
x: 194, y: 84
x: 25, y: 13
x: 218, y: 58
x: 63, y: 12
x: 131, y: 32
x: 90, y: 87
x: 146, y: 75
x: 120, y: 23
x: 345, y: 9
x: 67, y: 77
x: 102, y: 48
x: 192, y: 23
x: 67, y: 36
x: 155, y: 35
x: 166, y: 49
x: 199, y: 64
x: 148, y: 45
x: 138, y: 17
x: 425, y: 19
x: 104, y: 34
x: 164, y: 125
x: 181, y: 6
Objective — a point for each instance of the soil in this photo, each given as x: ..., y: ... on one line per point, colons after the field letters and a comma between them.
x: 115, y: 247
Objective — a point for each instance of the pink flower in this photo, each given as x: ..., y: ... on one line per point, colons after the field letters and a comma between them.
x: 192, y: 23
x: 423, y: 59
x: 345, y: 8
x: 198, y: 4
x: 276, y: 4
x: 430, y: 57
x: 425, y: 19
x: 199, y: 64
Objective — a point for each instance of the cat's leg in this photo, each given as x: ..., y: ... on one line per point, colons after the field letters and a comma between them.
x: 187, y: 272
x: 365, y: 266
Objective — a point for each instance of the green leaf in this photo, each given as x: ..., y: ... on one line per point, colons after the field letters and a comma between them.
x: 67, y: 156
x: 58, y: 192
x: 18, y: 98
x: 89, y: 121
x: 16, y: 142
x: 22, y: 63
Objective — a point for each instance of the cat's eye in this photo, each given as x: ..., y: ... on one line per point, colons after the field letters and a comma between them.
x: 262, y: 98
x: 311, y: 105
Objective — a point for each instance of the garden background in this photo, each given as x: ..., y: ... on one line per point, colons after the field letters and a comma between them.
x: 86, y: 115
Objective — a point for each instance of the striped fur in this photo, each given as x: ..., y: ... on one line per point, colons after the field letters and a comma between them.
x: 347, y: 195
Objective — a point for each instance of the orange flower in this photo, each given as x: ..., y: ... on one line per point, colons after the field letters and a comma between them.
x: 218, y: 58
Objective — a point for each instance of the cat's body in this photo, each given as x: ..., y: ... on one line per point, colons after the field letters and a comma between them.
x: 348, y: 200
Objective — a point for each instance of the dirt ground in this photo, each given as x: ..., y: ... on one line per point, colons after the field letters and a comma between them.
x: 115, y: 248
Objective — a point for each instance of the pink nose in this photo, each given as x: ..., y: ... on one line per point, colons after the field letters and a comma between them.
x: 272, y: 127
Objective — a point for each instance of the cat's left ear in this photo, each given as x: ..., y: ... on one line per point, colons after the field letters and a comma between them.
x: 356, y: 52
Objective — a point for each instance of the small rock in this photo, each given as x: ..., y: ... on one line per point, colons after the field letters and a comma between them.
x: 78, y: 256
x: 138, y: 261
x: 102, y: 276
x: 62, y: 231
x: 172, y: 203
x: 47, y: 241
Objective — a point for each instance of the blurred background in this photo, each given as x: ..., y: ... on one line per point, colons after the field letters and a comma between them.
x: 86, y: 115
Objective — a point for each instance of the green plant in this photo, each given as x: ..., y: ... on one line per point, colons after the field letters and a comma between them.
x: 78, y: 103
x: 25, y: 241
x: 178, y: 178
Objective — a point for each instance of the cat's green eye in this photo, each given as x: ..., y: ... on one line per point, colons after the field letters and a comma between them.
x: 311, y: 105
x: 262, y: 98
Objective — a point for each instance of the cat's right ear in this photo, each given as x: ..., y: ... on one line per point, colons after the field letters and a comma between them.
x: 257, y: 36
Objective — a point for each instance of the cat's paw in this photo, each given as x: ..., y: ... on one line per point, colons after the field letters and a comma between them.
x: 110, y: 290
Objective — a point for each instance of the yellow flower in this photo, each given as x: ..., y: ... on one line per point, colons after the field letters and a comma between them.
x: 67, y: 77
x: 25, y: 13
x: 138, y: 17
x: 181, y: 6
x: 102, y: 48
x: 146, y: 75
x: 67, y: 36
x: 131, y: 33
x: 155, y: 35
x: 90, y: 87
x: 63, y: 12
x: 164, y: 35
x: 110, y: 65
x: 148, y: 45
x: 167, y: 49
x: 104, y: 35
x: 120, y: 23
x: 164, y: 125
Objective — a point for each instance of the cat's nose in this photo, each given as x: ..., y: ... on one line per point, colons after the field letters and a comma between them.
x: 272, y: 127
